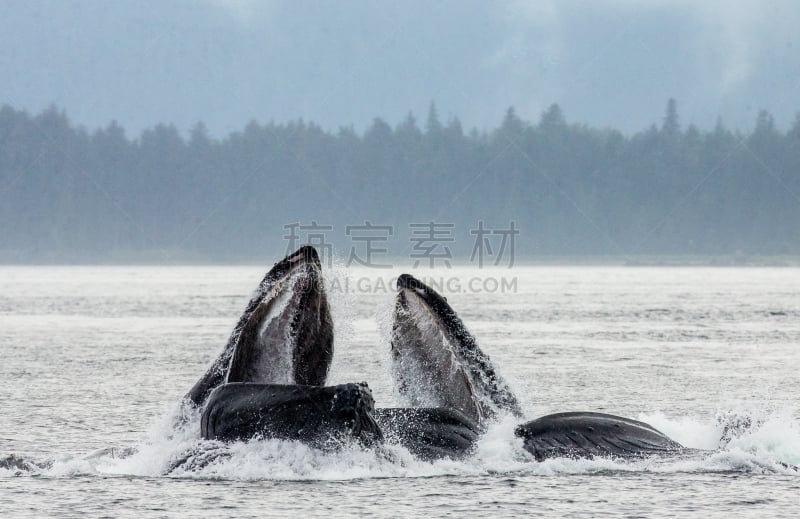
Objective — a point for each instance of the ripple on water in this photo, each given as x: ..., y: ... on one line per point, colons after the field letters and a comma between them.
x: 98, y: 357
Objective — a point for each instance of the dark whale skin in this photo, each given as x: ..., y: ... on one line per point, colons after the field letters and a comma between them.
x: 322, y: 417
x: 587, y: 435
x: 429, y: 433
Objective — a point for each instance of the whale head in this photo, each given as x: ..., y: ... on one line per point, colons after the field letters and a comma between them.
x: 288, y: 337
x: 437, y: 362
x: 284, y: 336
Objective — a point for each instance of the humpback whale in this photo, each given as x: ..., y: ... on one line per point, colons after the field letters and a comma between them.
x: 435, y: 359
x: 284, y: 336
x: 269, y: 379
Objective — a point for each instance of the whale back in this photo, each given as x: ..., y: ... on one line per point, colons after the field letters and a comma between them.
x: 586, y: 435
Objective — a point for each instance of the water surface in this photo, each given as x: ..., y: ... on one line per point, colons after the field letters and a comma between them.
x: 97, y: 358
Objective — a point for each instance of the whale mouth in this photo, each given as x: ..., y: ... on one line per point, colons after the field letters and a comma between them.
x: 279, y: 343
x: 285, y: 334
x: 428, y: 370
x: 436, y: 360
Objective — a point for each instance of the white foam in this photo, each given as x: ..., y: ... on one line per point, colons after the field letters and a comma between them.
x: 499, y: 451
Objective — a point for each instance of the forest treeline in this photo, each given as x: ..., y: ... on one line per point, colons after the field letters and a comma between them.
x: 72, y: 195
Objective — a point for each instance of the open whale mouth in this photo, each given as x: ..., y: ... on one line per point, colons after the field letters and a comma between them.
x: 408, y: 284
x: 427, y: 367
x: 285, y: 334
x: 287, y: 338
x: 437, y: 361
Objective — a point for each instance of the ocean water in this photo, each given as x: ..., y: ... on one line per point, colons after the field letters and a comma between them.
x: 95, y: 359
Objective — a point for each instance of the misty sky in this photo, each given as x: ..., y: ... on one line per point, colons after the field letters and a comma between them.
x: 607, y: 62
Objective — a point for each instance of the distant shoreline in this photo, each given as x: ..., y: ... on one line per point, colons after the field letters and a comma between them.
x: 157, y: 259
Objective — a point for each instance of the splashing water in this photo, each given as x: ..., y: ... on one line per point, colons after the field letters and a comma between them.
x: 93, y: 376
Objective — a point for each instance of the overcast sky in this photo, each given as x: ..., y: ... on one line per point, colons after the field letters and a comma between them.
x: 225, y: 62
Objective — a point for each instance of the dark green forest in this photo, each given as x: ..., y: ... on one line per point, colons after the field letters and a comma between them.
x: 68, y: 194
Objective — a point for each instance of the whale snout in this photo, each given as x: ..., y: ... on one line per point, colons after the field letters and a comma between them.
x: 305, y: 254
x: 406, y: 281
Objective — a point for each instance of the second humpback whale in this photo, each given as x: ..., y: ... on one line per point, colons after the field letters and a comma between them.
x: 437, y: 360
